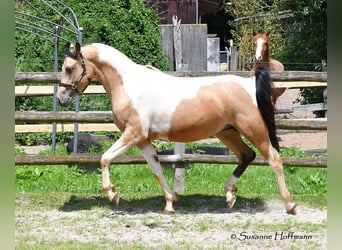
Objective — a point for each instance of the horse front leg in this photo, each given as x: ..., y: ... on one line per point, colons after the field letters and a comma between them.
x: 152, y: 159
x: 119, y: 147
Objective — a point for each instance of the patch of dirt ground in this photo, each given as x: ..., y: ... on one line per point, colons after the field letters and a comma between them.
x: 304, y: 140
x: 265, y: 226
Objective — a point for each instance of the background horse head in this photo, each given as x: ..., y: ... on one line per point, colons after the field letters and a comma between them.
x: 261, y: 46
x: 149, y: 104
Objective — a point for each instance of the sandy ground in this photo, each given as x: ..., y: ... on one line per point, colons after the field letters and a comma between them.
x: 203, y: 229
x: 305, y: 140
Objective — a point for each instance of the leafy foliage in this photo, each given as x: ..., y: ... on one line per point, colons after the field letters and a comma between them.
x: 298, y: 41
x: 259, y: 16
x: 126, y: 25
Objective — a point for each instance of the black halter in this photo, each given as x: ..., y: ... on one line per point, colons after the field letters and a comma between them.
x: 73, y: 85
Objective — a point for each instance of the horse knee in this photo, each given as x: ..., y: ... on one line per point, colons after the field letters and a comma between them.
x: 104, y: 162
x: 247, y: 158
x: 250, y: 157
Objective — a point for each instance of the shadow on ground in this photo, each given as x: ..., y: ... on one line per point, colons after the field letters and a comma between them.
x: 186, y: 204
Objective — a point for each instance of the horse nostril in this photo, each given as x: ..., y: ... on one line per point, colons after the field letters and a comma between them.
x: 64, y: 102
x: 258, y: 58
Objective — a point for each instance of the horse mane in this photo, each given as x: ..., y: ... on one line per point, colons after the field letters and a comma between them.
x: 264, y: 91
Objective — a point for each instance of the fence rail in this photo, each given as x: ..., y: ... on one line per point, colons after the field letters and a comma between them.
x: 83, y: 159
x: 107, y: 117
x: 30, y: 90
x: 286, y: 76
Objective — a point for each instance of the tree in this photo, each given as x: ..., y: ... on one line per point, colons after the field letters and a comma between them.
x: 255, y: 15
x: 298, y: 41
x: 306, y: 42
x: 306, y: 34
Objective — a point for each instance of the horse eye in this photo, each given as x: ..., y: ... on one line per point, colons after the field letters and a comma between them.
x: 68, y: 70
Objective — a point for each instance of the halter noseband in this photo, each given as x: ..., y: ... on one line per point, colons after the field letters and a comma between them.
x: 74, y: 85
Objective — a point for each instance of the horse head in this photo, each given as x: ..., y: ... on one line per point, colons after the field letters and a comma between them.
x: 76, y: 75
x: 260, y: 46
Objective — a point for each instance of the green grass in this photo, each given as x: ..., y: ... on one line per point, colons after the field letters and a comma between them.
x: 137, y: 182
x: 202, y: 182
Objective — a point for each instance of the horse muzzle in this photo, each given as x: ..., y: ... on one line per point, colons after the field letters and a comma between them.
x: 63, y: 100
x: 258, y: 58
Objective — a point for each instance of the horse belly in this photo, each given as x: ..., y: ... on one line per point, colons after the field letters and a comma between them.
x: 193, y: 132
x: 196, y: 120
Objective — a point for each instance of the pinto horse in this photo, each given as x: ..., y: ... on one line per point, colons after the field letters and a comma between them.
x: 262, y: 59
x: 149, y: 104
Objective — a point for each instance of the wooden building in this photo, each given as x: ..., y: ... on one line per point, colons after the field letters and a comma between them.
x: 190, y: 11
x: 210, y: 12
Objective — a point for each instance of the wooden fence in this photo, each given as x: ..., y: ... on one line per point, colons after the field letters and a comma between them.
x: 288, y: 79
x: 103, y: 120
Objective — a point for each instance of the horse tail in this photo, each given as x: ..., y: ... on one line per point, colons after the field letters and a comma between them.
x: 264, y: 89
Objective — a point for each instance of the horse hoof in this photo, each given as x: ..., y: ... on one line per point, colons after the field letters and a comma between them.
x: 231, y: 202
x: 169, y: 212
x: 115, y: 200
x: 293, y: 210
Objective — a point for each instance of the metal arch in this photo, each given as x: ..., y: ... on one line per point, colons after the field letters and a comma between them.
x: 27, y: 27
x: 42, y: 19
x: 31, y: 25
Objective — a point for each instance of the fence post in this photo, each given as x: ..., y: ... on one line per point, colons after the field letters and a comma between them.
x: 234, y: 59
x: 179, y: 168
x: 177, y: 42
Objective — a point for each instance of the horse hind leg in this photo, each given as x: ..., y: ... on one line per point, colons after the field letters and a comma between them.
x: 277, y: 92
x: 152, y: 159
x: 232, y: 139
x: 275, y: 162
x: 261, y: 141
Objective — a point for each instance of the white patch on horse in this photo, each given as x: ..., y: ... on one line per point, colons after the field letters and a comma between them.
x: 157, y: 98
x: 258, y: 50
x: 155, y: 95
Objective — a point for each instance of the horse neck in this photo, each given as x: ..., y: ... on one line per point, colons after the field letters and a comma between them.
x: 110, y: 64
x: 265, y: 57
x: 101, y: 54
x: 106, y: 57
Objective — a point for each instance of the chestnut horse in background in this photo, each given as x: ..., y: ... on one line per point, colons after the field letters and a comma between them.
x: 262, y: 59
x: 149, y: 104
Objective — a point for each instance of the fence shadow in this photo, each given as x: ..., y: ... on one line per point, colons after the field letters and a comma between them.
x: 187, y: 204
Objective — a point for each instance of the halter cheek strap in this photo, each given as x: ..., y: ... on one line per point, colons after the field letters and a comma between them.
x: 74, y: 85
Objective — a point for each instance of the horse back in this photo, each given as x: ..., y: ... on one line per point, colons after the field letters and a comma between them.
x: 275, y: 65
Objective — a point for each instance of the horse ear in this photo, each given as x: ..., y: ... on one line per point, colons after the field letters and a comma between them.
x: 71, y: 49
x: 77, y: 48
x: 268, y: 33
x: 254, y: 32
